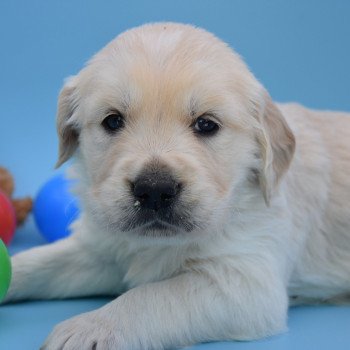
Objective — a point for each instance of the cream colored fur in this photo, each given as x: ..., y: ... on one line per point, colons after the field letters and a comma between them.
x: 269, y: 194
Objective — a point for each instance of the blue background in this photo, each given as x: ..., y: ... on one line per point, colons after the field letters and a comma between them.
x: 300, y: 50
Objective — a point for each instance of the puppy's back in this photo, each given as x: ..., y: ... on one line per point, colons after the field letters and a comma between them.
x: 318, y: 187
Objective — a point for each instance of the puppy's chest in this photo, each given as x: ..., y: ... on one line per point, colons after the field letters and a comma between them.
x: 145, y: 265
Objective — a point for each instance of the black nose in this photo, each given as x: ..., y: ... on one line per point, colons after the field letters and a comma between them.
x: 154, y: 192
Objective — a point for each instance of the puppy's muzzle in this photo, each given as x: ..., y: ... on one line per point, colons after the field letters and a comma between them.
x: 157, y: 203
x: 155, y: 192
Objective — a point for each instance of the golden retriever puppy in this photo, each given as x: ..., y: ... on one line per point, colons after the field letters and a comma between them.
x: 204, y: 204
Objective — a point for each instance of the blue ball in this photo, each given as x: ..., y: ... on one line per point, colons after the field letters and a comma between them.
x: 55, y: 208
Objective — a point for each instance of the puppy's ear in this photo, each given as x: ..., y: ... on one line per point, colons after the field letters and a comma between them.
x: 66, y: 129
x: 277, y: 145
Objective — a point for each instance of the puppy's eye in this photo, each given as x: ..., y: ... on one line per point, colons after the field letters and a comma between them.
x: 113, y: 122
x: 205, y: 126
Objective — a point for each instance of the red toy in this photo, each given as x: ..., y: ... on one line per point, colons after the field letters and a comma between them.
x: 7, y: 219
x: 12, y: 211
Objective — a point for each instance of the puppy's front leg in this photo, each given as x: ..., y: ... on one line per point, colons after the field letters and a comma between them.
x: 183, y: 310
x: 60, y: 270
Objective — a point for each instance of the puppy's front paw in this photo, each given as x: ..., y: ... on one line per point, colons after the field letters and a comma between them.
x: 89, y: 331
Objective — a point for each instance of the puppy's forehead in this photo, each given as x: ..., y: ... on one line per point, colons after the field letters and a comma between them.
x: 165, y: 63
x: 165, y: 44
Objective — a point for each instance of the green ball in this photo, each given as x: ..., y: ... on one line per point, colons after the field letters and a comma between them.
x: 5, y: 270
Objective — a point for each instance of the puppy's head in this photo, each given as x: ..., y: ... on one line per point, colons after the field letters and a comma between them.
x: 168, y: 125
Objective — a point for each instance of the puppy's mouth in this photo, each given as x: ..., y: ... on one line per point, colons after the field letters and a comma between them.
x: 159, y: 225
x: 162, y: 222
